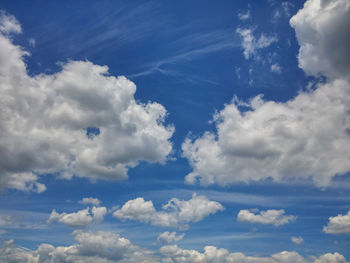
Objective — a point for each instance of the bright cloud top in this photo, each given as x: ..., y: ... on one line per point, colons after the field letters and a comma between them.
x: 79, y: 219
x: 176, y: 213
x: 79, y: 121
x: 274, y: 217
x: 339, y: 224
x: 307, y: 137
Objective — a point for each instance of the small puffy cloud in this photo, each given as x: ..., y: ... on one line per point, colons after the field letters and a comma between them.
x: 176, y: 213
x: 297, y: 240
x: 251, y: 44
x: 32, y: 42
x: 276, y: 68
x: 323, y: 32
x: 244, y: 16
x: 9, y: 24
x: 274, y: 217
x: 79, y: 219
x: 80, y: 121
x: 339, y: 224
x: 91, y: 247
x: 90, y: 200
x: 167, y: 237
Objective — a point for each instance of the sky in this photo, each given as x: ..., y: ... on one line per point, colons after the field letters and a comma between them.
x: 175, y: 131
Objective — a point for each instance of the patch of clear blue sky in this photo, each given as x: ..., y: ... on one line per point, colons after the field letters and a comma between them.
x: 185, y: 55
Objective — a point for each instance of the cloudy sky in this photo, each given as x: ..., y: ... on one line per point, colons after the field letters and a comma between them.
x: 175, y: 131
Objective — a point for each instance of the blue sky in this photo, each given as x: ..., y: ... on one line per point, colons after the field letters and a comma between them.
x: 236, y: 113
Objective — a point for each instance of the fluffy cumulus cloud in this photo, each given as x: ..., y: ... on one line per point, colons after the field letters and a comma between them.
x: 251, y: 44
x: 322, y: 29
x: 176, y: 213
x: 307, y: 137
x: 167, y: 237
x: 79, y: 121
x: 174, y: 254
x: 90, y: 200
x: 79, y: 219
x: 92, y: 247
x: 339, y: 224
x: 274, y: 217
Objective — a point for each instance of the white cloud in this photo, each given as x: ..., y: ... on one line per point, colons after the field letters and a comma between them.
x: 297, y: 240
x: 79, y: 121
x: 251, y: 44
x: 167, y: 237
x: 307, y: 137
x: 323, y: 33
x: 9, y: 24
x: 174, y: 254
x: 276, y: 68
x: 90, y: 200
x: 244, y: 16
x: 331, y: 258
x: 79, y: 219
x: 107, y: 247
x: 274, y: 217
x: 32, y: 42
x: 339, y: 224
x: 176, y: 213
x: 92, y: 247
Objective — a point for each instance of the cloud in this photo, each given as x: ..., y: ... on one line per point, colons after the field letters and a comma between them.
x: 79, y: 121
x: 107, y: 247
x: 307, y: 137
x: 251, y: 44
x: 167, y: 237
x: 276, y: 68
x: 9, y: 24
x: 274, y: 217
x: 244, y: 16
x: 174, y: 254
x: 297, y: 240
x: 79, y: 219
x: 90, y: 200
x: 339, y: 224
x: 176, y: 213
x: 324, y: 37
x: 92, y: 247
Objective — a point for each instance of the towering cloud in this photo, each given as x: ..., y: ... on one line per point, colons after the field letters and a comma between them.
x: 79, y: 121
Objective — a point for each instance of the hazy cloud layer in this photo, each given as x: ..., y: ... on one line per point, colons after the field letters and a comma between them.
x: 339, y: 224
x: 176, y: 213
x: 79, y: 121
x: 273, y: 217
x: 305, y: 137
